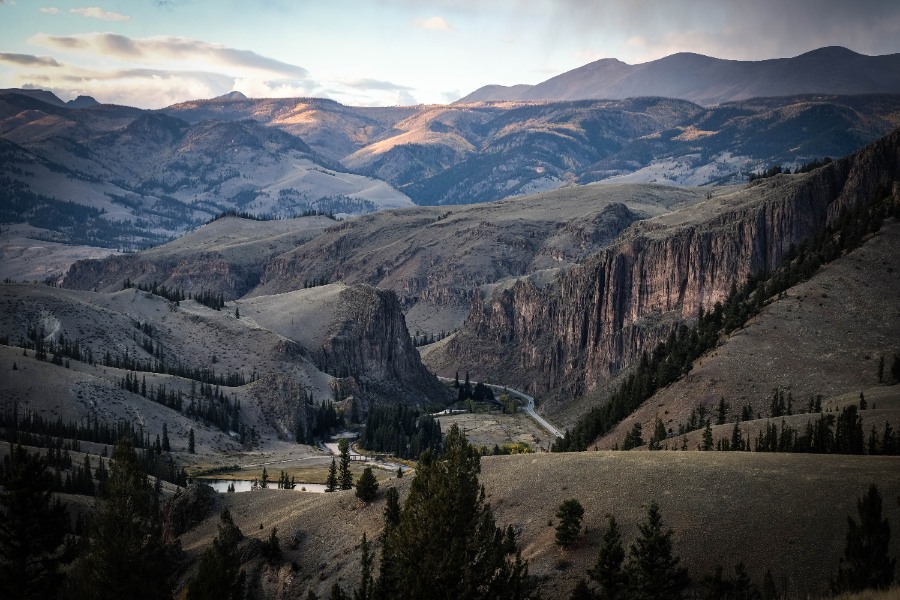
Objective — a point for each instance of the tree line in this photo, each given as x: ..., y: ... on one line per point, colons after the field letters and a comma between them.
x: 400, y: 430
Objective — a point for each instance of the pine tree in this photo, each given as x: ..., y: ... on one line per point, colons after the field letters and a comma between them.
x: 344, y: 474
x: 581, y: 591
x: 32, y: 529
x: 271, y: 548
x: 125, y: 556
x: 446, y: 544
x: 264, y: 480
x: 364, y: 592
x: 569, y: 514
x: 367, y: 486
x: 653, y: 571
x: 331, y: 483
x: 386, y: 586
x: 707, y: 436
x: 220, y: 576
x: 866, y: 563
x: 166, y: 446
x: 608, y: 571
x: 191, y: 447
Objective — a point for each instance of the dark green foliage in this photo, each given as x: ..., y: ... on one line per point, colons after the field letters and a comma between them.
x: 866, y: 562
x: 191, y: 445
x: 633, y: 438
x: 570, y: 514
x: 653, y: 571
x: 264, y: 479
x: 659, y: 434
x: 124, y: 556
x: 826, y: 435
x: 581, y: 591
x: 707, y: 437
x: 332, y: 482
x: 446, y: 544
x: 271, y: 548
x: 608, y: 571
x: 718, y: 587
x: 32, y: 528
x: 367, y: 486
x: 365, y: 589
x: 219, y: 576
x: 401, y: 431
x: 345, y: 477
x: 337, y: 593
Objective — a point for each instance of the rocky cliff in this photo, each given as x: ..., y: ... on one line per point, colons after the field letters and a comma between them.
x: 369, y: 342
x: 570, y: 335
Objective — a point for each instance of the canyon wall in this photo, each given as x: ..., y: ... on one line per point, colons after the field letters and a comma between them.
x: 571, y: 335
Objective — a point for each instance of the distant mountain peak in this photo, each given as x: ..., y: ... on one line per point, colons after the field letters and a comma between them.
x: 82, y: 102
x: 235, y: 95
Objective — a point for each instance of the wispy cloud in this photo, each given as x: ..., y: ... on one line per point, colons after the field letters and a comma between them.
x: 28, y: 60
x: 167, y: 49
x: 50, y: 10
x: 95, y: 12
x: 438, y: 23
x: 376, y: 84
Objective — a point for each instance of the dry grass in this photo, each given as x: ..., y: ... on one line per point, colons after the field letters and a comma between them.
x: 784, y: 512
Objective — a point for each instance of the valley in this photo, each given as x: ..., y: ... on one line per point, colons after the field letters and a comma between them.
x: 665, y: 286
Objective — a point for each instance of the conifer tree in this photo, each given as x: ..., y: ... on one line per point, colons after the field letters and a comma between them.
x: 220, y: 576
x: 344, y: 475
x: 569, y: 514
x: 707, y: 436
x: 264, y: 480
x: 125, y: 556
x: 866, y: 562
x: 653, y: 571
x: 331, y: 483
x: 367, y: 486
x: 446, y: 544
x: 166, y: 446
x: 191, y: 447
x: 608, y: 571
x: 32, y: 529
x: 364, y: 591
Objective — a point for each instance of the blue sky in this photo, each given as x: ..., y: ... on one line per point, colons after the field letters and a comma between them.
x: 152, y: 53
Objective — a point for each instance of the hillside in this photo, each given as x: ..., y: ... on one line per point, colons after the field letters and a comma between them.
x: 709, y: 81
x: 724, y: 508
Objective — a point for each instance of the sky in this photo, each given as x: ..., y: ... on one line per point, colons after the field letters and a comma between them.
x: 154, y: 53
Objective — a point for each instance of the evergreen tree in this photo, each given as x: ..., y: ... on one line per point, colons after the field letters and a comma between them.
x: 707, y: 436
x: 581, y: 591
x: 633, y: 438
x: 722, y: 411
x: 769, y: 590
x: 220, y: 576
x: 386, y: 587
x: 364, y: 592
x: 191, y: 448
x: 331, y: 483
x: 166, y: 446
x: 264, y: 480
x: 367, y: 486
x: 569, y: 514
x: 345, y: 476
x: 125, y: 556
x: 653, y: 571
x: 32, y: 529
x: 866, y: 563
x: 608, y: 571
x: 271, y: 548
x: 446, y: 544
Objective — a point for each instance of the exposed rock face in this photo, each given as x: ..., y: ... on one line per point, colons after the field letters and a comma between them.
x: 370, y: 342
x: 598, y: 317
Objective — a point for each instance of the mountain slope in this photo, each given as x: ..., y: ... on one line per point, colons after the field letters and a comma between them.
x: 600, y: 316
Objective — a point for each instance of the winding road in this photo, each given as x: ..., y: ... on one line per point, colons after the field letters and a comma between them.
x: 529, y: 406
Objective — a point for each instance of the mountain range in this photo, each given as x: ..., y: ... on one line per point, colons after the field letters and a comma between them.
x: 711, y: 81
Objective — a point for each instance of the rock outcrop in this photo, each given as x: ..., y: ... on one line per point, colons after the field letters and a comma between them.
x: 369, y: 341
x: 186, y: 509
x: 594, y: 319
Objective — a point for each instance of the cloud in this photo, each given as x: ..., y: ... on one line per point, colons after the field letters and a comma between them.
x: 375, y: 84
x: 167, y: 49
x: 50, y: 10
x: 95, y: 12
x: 28, y: 60
x: 438, y: 23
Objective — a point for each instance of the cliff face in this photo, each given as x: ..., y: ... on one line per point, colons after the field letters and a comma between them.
x: 369, y: 341
x: 597, y: 318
